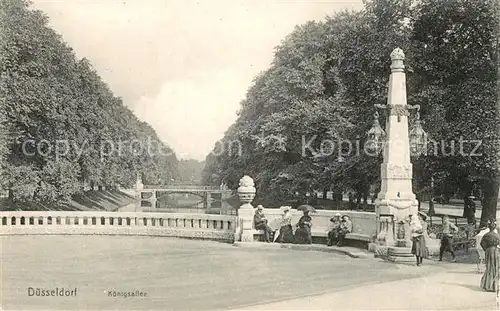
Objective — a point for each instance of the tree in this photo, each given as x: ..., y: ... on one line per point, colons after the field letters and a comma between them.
x: 68, y: 128
x: 326, y: 77
x: 456, y: 45
x: 286, y: 105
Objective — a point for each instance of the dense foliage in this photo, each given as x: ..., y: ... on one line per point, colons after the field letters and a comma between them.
x: 326, y: 77
x: 190, y: 171
x: 61, y: 128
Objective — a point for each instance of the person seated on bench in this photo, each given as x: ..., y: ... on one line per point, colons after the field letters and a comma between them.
x: 303, y: 232
x: 333, y: 235
x: 260, y: 223
x: 285, y: 234
x: 345, y: 228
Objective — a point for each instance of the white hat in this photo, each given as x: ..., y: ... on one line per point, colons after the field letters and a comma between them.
x: 260, y: 207
x: 337, y: 214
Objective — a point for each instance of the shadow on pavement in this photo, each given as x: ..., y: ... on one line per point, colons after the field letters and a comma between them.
x: 475, y: 288
x: 467, y: 272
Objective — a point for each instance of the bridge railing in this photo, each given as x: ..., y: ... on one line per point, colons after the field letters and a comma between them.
x: 202, y: 226
x: 181, y: 187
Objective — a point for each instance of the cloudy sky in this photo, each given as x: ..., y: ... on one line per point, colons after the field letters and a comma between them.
x: 183, y: 66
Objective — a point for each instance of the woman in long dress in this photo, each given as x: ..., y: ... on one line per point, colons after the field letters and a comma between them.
x: 490, y: 244
x: 419, y: 249
x: 479, y: 249
x: 303, y: 232
x: 285, y: 231
x: 422, y: 217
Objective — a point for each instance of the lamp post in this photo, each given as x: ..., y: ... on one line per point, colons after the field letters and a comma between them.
x: 139, y: 186
x: 396, y: 199
x: 377, y: 137
x: 431, y: 200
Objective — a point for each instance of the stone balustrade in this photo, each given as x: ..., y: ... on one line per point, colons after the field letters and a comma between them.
x: 182, y: 188
x: 202, y: 226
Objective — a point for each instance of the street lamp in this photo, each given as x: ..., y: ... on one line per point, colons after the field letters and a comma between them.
x: 376, y: 136
x: 431, y: 200
x: 418, y: 137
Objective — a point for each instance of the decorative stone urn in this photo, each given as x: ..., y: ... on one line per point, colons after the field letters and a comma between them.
x: 246, y: 193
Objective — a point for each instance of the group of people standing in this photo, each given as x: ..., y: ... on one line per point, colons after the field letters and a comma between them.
x: 488, y: 248
x: 420, y: 236
x: 284, y: 232
x: 488, y: 238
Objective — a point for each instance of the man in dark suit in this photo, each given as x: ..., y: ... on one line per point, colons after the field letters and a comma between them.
x: 260, y: 223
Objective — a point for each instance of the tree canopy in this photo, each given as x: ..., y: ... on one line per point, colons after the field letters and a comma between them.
x: 325, y: 78
x: 61, y: 126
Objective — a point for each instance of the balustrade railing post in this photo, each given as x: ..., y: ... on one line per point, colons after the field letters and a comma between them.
x: 246, y: 193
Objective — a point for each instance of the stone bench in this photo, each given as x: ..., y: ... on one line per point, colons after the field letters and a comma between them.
x: 358, y: 237
x: 363, y: 225
x: 319, y: 233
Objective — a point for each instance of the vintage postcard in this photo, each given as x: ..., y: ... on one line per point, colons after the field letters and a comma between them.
x: 249, y: 155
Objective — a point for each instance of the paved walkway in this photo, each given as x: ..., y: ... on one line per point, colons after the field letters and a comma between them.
x: 176, y: 274
x: 457, y: 289
x: 345, y: 250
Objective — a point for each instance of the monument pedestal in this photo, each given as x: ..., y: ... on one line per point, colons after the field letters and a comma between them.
x: 245, y: 215
x: 394, y: 234
x: 400, y: 254
x: 246, y: 193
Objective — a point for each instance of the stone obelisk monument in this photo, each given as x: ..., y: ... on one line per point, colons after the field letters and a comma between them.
x: 396, y: 200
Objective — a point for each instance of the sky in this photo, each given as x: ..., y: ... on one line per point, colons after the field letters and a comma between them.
x: 183, y: 66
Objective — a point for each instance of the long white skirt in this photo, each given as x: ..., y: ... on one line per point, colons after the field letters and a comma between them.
x: 480, y: 253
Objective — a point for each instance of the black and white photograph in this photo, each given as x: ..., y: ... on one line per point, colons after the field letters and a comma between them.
x: 249, y: 155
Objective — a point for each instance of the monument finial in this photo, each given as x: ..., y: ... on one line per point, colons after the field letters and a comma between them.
x: 397, y: 57
x: 397, y: 54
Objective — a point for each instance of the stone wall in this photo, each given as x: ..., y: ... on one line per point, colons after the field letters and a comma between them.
x: 201, y: 226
